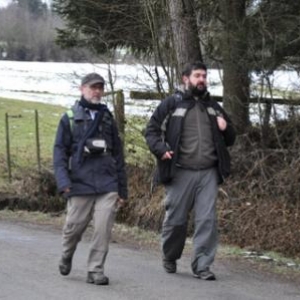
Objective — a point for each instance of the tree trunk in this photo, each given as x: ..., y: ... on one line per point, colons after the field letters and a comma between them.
x: 236, y: 80
x: 185, y: 33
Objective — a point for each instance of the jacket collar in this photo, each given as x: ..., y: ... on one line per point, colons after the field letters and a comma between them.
x: 81, y: 113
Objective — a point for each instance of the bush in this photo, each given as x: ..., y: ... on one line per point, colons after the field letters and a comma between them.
x: 258, y: 207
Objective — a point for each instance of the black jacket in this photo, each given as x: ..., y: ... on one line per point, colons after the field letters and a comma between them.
x: 88, y: 174
x: 163, y: 133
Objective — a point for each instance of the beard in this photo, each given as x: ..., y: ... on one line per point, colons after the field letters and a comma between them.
x: 95, y: 100
x: 197, y: 90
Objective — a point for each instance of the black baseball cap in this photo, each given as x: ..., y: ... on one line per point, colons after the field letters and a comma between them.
x: 92, y: 78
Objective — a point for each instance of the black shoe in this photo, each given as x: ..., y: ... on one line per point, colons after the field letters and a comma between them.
x: 97, y: 278
x: 205, y: 275
x: 65, y: 266
x: 169, y: 266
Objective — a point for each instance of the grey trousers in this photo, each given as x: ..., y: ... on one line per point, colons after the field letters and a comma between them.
x: 80, y: 211
x: 191, y: 190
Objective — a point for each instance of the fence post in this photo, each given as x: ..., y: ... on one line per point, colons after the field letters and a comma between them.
x: 37, y: 140
x: 120, y: 114
x: 7, y: 147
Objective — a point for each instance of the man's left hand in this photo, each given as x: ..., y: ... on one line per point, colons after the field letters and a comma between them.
x: 120, y: 202
x: 222, y: 124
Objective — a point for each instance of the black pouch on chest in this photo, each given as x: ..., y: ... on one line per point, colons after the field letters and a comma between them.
x: 95, y: 145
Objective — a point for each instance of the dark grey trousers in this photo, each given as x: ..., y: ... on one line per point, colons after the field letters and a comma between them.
x: 189, y: 190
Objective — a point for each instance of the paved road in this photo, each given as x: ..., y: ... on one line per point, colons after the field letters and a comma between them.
x: 28, y: 271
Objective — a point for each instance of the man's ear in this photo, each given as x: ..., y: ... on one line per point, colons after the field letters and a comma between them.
x: 185, y: 80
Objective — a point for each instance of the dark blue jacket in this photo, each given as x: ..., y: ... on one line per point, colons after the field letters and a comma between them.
x: 92, y: 173
x: 164, y: 129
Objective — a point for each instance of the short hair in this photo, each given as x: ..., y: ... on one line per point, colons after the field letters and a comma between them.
x: 190, y: 67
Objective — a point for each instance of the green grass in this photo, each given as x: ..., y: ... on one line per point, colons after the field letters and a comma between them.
x: 22, y: 130
x: 22, y: 135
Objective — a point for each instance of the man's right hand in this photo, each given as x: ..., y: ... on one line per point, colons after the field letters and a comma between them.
x: 66, y: 190
x: 167, y: 155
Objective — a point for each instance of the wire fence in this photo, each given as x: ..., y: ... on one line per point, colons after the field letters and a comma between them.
x: 28, y: 137
x: 19, y: 149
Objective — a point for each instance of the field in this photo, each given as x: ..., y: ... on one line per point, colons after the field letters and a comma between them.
x: 22, y: 132
x: 23, y: 137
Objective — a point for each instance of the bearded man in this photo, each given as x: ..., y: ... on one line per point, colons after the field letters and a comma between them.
x: 189, y: 134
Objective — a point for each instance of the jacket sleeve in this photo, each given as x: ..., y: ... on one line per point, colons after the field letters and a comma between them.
x: 119, y: 157
x: 61, y: 154
x: 154, y: 133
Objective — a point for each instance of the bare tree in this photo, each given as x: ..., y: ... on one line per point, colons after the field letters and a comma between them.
x: 185, y: 33
x: 163, y: 54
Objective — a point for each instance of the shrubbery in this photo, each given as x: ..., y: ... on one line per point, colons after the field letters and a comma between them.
x: 258, y: 207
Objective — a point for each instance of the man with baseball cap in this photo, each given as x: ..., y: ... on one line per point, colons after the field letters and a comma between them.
x: 90, y: 172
